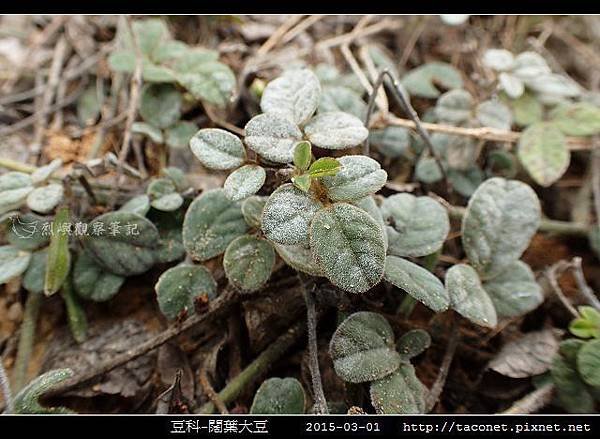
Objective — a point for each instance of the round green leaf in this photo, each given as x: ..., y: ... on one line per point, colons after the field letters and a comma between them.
x: 399, y: 393
x: 92, y: 282
x: 580, y: 119
x: 244, y: 182
x: 218, y: 149
x: 122, y: 243
x: 272, y: 137
x: 465, y: 182
x: 543, y: 151
x: 336, y: 130
x: 498, y: 59
x: 360, y: 176
x: 495, y: 114
x: 392, y: 142
x: 287, y: 215
x: 362, y: 348
x: 178, y: 289
x: 248, y: 262
x: 428, y: 171
x: 349, y: 246
x: 418, y: 226
x: 413, y: 343
x: 339, y: 98
x: 44, y: 199
x: 139, y: 204
x: 160, y: 104
x: 369, y: 205
x: 210, y: 81
x: 14, y: 188
x: 180, y: 134
x: 163, y: 195
x: 153, y: 133
x: 514, y: 291
x: 501, y: 218
x: 454, y: 106
x: 293, y: 96
x: 279, y: 396
x: 422, y: 81
x: 418, y: 282
x: 526, y: 109
x: 35, y: 276
x: 467, y: 296
x: 300, y: 258
x: 588, y: 363
x: 252, y: 209
x: 211, y: 222
x: 302, y: 155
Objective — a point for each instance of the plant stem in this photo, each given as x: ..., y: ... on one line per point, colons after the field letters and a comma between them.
x: 5, y: 389
x: 26, y: 339
x: 438, y: 385
x: 257, y: 367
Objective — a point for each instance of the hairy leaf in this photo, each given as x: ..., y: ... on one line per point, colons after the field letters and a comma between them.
x: 300, y: 258
x: 26, y: 401
x: 210, y: 81
x: 454, y: 106
x: 324, y: 167
x: 340, y: 98
x: 422, y: 81
x: 248, y: 262
x: 14, y: 188
x: 272, y: 137
x: 180, y: 134
x: 467, y: 296
x: 392, y: 142
x: 163, y: 195
x: 359, y: 176
x: 252, y: 209
x: 44, y: 199
x: 588, y: 363
x: 59, y: 256
x: 279, y: 396
x: 139, y: 204
x: 336, y: 130
x: 35, y: 276
x: 13, y: 262
x: 218, y: 149
x: 160, y: 104
x: 399, y: 393
x: 244, y: 182
x: 302, y: 155
x: 588, y: 324
x: 495, y: 114
x: 413, y: 343
x: 580, y: 119
x: 92, y: 282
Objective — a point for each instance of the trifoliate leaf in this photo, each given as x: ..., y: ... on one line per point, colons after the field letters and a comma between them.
x: 180, y: 134
x: 287, y: 215
x: 26, y: 401
x: 248, y: 262
x: 218, y: 149
x: 336, y: 130
x: 163, y: 195
x: 467, y: 296
x: 360, y: 176
x: 211, y: 81
x: 302, y: 155
x: 514, y: 291
x: 423, y: 80
x: 399, y: 393
x: 122, y: 243
x: 178, y: 289
x: 293, y: 96
x: 35, y: 276
x: 300, y: 258
x: 272, y: 137
x: 588, y: 363
x: 92, y: 282
x: 279, y: 396
x: 160, y: 104
x: 59, y: 256
x: 454, y: 106
x: 498, y: 59
x: 244, y: 182
x: 418, y: 282
x: 324, y: 167
x: 211, y: 222
x: 339, y: 98
x: 252, y: 209
x: 362, y: 348
x: 13, y: 262
x: 580, y: 119
x: 139, y: 204
x: 543, y: 151
x: 348, y: 245
x: 494, y: 114
x: 413, y: 343
x: 153, y: 133
x: 392, y: 142
x: 416, y: 226
x: 500, y: 220
x: 14, y: 188
x: 587, y: 325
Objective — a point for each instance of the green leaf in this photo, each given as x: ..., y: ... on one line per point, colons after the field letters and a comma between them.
x: 324, y: 167
x: 279, y: 396
x: 212, y: 81
x: 413, y: 343
x: 543, y: 151
x: 172, y: 50
x: 287, y: 215
x: 26, y: 401
x: 122, y: 60
x: 302, y: 182
x: 150, y: 131
x: 344, y: 99
x: 467, y: 296
x: 244, y: 182
x: 399, y: 393
x: 218, y: 149
x: 418, y: 282
x: 150, y: 34
x: 28, y: 231
x: 587, y: 325
x: 252, y: 209
x: 92, y: 282
x: 179, y: 288
x: 160, y: 104
x: 348, y: 245
x: 493, y: 113
x: 59, y: 256
x: 498, y: 59
x: 335, y: 130
x: 163, y: 195
x: 579, y: 119
x: 293, y: 96
x: 14, y: 188
x: 569, y: 349
x: 572, y: 392
x: 43, y: 173
x: 139, y: 205
x: 211, y: 222
x: 423, y: 80
x: 466, y: 182
x: 177, y: 176
x: 362, y: 348
x: 122, y: 243
x: 501, y: 218
x: 88, y: 106
x: 369, y: 205
x: 514, y: 291
x: 428, y: 171
x: 170, y: 247
x: 13, y: 262
x: 302, y: 155
x: 44, y: 199
x: 392, y: 142
x: 588, y: 363
x: 359, y: 176
x: 180, y: 134
x: 454, y: 106
x: 527, y: 109
x: 418, y: 226
x: 75, y: 313
x: 300, y: 258
x: 272, y: 137
x: 248, y: 262
x: 34, y: 278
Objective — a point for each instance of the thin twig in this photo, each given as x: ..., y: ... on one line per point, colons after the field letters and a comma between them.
x: 438, y: 385
x: 274, y: 39
x: 532, y: 402
x: 552, y: 274
x: 301, y: 27
x: 582, y: 285
x: 210, y: 391
x: 5, y: 389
